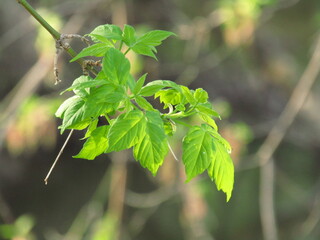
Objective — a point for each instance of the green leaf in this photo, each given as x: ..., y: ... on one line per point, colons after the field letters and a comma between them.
x: 154, y: 86
x: 146, y: 44
x: 188, y: 95
x: 169, y: 96
x: 96, y: 50
x: 218, y: 137
x: 143, y: 103
x: 221, y: 169
x: 81, y: 85
x: 198, y: 150
x: 129, y: 35
x: 92, y: 126
x: 74, y: 115
x: 207, y: 109
x: 108, y: 31
x: 154, y: 38
x: 151, y: 150
x: 107, y: 93
x: 96, y: 144
x: 126, y: 130
x: 63, y: 107
x: 208, y: 120
x: 201, y: 95
x: 139, y: 84
x: 116, y: 66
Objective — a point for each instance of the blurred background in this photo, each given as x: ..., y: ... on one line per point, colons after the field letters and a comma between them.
x: 259, y: 61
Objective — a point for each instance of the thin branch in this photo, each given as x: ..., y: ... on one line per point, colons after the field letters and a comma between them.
x: 267, y: 213
x: 294, y: 105
x: 57, y: 158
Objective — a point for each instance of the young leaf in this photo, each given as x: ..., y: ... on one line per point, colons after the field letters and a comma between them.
x: 96, y: 50
x: 151, y: 150
x: 92, y: 126
x: 208, y: 120
x: 107, y: 93
x: 206, y: 108
x: 198, y: 150
x: 201, y: 95
x: 126, y: 131
x: 169, y: 96
x: 188, y: 95
x: 129, y: 35
x: 146, y: 44
x: 64, y: 106
x: 154, y: 86
x: 139, y: 84
x: 96, y: 144
x: 82, y: 83
x: 143, y: 103
x: 107, y: 31
x: 73, y: 115
x: 116, y: 66
x: 221, y: 169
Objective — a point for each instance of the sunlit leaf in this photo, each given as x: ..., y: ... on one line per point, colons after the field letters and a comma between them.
x: 96, y: 50
x: 96, y: 144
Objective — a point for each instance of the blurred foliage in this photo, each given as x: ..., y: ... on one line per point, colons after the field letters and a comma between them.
x: 19, y: 230
x: 33, y: 126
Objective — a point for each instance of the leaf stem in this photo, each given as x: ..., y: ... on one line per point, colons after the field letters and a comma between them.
x: 125, y: 53
x: 121, y: 43
x: 57, y: 158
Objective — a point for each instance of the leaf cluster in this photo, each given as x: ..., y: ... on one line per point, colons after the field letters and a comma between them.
x: 133, y: 122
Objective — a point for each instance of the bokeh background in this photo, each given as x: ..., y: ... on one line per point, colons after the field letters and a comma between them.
x: 259, y: 61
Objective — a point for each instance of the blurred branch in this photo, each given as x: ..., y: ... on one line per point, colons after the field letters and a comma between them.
x: 288, y: 115
x: 5, y: 212
x: 267, y: 213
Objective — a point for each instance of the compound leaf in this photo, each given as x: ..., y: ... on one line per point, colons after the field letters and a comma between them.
x: 126, y: 130
x: 154, y: 86
x: 139, y: 84
x: 96, y: 50
x: 96, y: 144
x: 151, y: 150
x: 198, y: 150
x: 221, y: 169
x: 129, y: 35
x: 107, y: 31
x: 116, y: 66
x: 143, y: 103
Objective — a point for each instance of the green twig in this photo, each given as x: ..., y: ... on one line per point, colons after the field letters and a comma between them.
x: 54, y: 33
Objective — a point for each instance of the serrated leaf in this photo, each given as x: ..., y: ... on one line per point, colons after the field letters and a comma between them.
x: 139, y: 84
x: 99, y: 38
x: 129, y: 35
x: 108, y: 31
x: 63, y: 107
x: 151, y: 150
x: 208, y: 120
x: 96, y: 50
x: 188, y: 95
x: 206, y: 109
x: 221, y: 169
x: 218, y: 137
x: 143, y: 103
x: 154, y: 38
x: 198, y: 150
x: 145, y: 50
x: 92, y: 126
x: 154, y: 86
x: 81, y: 85
x: 169, y: 96
x: 96, y: 144
x: 126, y: 130
x: 116, y: 66
x: 74, y: 115
x: 107, y: 93
x: 201, y: 95
x: 169, y: 127
x: 146, y: 44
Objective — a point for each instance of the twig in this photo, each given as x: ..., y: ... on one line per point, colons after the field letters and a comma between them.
x: 294, y: 105
x: 57, y: 158
x: 267, y: 214
x: 172, y: 152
